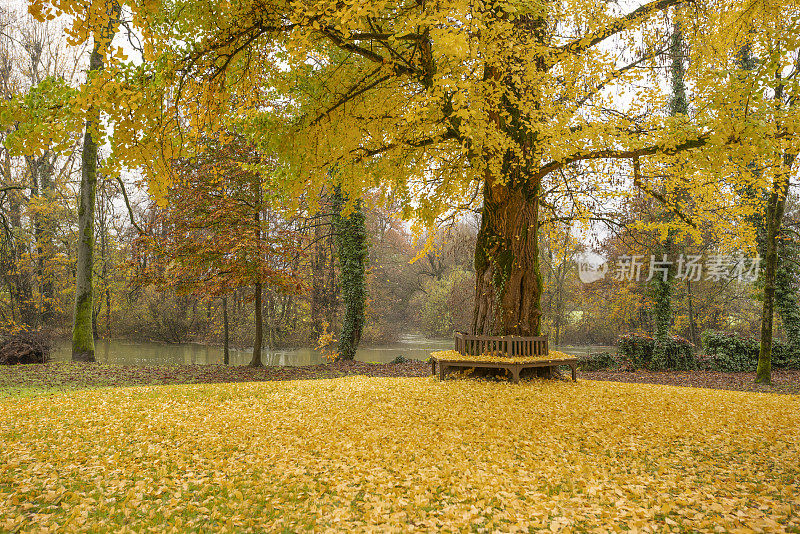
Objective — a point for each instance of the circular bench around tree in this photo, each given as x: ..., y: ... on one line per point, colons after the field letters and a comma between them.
x: 513, y: 353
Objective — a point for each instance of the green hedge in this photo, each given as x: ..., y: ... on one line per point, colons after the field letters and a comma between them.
x: 730, y: 352
x: 597, y: 362
x: 637, y: 352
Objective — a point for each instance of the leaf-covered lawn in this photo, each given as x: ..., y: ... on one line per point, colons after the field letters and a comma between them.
x: 400, y: 454
x: 36, y: 379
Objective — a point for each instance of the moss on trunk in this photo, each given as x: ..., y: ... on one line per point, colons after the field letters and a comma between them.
x: 508, y: 278
x: 82, y: 331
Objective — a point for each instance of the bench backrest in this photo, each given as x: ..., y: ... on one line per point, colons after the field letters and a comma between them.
x: 470, y: 345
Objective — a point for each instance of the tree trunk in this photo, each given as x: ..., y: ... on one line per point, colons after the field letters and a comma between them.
x: 82, y: 329
x: 258, y: 342
x: 226, y: 356
x: 508, y: 281
x: 764, y: 369
x: 690, y: 310
x: 82, y: 334
x: 351, y: 238
x: 662, y: 289
x: 775, y: 208
x: 41, y: 170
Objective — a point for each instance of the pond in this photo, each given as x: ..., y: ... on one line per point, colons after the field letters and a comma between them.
x: 135, y: 353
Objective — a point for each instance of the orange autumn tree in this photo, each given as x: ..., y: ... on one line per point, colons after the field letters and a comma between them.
x: 217, y: 230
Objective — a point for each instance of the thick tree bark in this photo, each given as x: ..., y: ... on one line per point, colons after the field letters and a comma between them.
x: 508, y: 280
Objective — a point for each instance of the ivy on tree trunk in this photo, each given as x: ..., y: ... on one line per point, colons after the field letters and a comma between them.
x: 776, y: 205
x: 351, y: 242
x: 661, y: 286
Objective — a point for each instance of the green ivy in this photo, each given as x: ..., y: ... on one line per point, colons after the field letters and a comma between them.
x: 597, y: 362
x: 351, y: 244
x: 787, y: 302
x: 729, y: 352
x: 637, y: 352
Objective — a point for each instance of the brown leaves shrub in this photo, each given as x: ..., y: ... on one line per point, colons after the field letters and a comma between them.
x: 24, y: 347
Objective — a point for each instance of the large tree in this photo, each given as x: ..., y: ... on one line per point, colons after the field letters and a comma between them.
x: 438, y: 105
x: 434, y: 102
x: 764, y: 119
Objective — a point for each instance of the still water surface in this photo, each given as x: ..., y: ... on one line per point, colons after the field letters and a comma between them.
x: 129, y: 353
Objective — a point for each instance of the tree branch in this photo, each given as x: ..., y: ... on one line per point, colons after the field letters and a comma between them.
x: 621, y: 24
x: 352, y: 93
x: 611, y: 153
x: 128, y: 205
x: 368, y: 153
x: 363, y: 52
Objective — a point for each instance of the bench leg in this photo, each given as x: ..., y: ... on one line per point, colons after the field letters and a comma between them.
x: 514, y: 374
x: 433, y: 366
x: 442, y: 370
x: 574, y: 379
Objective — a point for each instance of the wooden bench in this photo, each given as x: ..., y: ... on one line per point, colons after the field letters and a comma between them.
x: 510, y: 346
x: 515, y: 368
x: 521, y: 353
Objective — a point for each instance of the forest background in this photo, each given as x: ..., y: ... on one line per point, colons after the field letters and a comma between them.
x: 423, y: 283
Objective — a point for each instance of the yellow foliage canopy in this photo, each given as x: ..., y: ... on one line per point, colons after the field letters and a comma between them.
x: 428, y: 99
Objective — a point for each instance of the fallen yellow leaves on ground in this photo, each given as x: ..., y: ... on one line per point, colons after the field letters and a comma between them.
x: 401, y: 454
x: 453, y: 356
